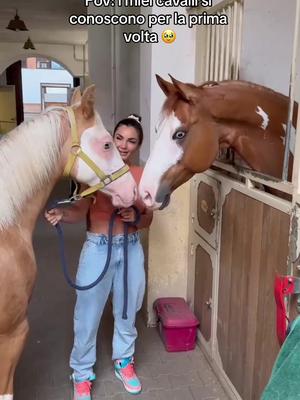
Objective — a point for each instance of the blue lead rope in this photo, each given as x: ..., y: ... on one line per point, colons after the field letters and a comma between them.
x: 108, y: 258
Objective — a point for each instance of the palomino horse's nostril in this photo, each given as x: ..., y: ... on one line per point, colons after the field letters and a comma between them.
x: 135, y: 193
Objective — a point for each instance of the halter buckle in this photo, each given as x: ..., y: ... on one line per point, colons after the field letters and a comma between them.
x: 107, y: 180
x: 75, y: 149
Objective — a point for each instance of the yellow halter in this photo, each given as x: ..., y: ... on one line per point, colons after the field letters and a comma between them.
x: 76, y: 151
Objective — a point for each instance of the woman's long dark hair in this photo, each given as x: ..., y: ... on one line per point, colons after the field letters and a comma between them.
x: 134, y: 121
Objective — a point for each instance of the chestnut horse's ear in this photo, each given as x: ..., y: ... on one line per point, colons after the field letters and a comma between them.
x: 88, y: 101
x: 166, y: 87
x: 76, y: 96
x: 186, y: 90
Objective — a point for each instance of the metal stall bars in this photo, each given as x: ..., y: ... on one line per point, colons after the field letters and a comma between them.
x: 221, y: 43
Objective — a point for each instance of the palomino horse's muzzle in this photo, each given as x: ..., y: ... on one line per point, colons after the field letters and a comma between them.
x: 76, y: 151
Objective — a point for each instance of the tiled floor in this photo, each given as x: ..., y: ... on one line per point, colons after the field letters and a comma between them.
x: 43, y: 371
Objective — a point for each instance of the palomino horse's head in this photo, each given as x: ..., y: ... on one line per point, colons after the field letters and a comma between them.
x: 185, y: 144
x: 90, y: 156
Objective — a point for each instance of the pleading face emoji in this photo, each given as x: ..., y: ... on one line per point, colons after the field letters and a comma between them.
x: 168, y: 36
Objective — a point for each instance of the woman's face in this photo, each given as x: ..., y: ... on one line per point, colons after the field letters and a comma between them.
x: 126, y: 139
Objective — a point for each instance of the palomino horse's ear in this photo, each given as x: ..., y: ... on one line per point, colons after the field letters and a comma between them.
x: 76, y: 96
x: 88, y: 101
x: 166, y: 87
x: 187, y: 91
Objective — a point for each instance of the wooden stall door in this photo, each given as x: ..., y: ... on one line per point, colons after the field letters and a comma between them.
x: 205, y: 223
x: 254, y: 247
x: 205, y: 206
x: 203, y: 291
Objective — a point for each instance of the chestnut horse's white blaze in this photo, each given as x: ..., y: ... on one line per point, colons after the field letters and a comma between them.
x: 32, y: 158
x: 159, y: 162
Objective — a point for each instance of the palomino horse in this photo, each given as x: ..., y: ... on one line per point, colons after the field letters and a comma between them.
x: 32, y: 158
x: 196, y: 121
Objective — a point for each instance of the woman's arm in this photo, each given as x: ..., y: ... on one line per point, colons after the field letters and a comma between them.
x: 75, y: 213
x: 72, y: 214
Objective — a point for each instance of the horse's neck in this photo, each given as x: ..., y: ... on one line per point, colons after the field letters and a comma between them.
x: 34, y: 206
x: 30, y: 163
x: 251, y: 122
x: 254, y: 146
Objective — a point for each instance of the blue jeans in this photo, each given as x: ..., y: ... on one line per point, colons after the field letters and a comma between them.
x: 90, y: 303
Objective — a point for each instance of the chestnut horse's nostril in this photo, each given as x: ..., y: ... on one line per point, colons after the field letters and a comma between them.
x: 147, y: 198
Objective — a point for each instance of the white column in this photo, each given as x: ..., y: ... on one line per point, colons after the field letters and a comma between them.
x: 168, y: 236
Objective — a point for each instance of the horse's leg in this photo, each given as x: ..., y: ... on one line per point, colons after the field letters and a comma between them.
x: 11, y: 346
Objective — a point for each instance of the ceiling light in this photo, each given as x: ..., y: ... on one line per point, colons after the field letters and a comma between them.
x: 28, y: 45
x: 16, y: 24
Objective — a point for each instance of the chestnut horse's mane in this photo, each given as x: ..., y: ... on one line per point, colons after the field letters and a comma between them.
x: 215, y: 91
x: 28, y: 157
x: 245, y: 84
x: 242, y: 84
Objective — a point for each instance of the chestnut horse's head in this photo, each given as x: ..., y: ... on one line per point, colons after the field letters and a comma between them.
x: 186, y: 143
x: 90, y: 156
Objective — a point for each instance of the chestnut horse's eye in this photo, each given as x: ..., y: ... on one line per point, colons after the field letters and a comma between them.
x: 107, y: 146
x: 178, y: 135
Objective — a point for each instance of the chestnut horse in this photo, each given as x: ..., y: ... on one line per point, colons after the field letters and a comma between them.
x: 196, y: 121
x: 32, y: 158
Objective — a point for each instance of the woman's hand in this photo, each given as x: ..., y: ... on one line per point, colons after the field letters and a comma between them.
x: 54, y: 216
x: 127, y: 214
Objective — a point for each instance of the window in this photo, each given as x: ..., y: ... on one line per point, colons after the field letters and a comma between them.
x: 43, y: 64
x: 54, y: 94
x: 55, y: 65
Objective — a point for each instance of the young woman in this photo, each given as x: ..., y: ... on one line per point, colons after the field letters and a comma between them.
x: 128, y: 137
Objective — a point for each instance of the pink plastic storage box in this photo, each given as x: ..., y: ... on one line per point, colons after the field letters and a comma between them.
x: 177, y: 324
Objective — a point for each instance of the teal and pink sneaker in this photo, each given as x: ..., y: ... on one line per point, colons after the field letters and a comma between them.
x: 82, y: 389
x: 124, y: 370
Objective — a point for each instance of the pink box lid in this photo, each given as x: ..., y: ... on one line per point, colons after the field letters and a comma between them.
x: 174, y: 312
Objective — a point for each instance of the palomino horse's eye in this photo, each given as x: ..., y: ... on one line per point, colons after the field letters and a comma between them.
x: 178, y: 135
x: 107, y: 146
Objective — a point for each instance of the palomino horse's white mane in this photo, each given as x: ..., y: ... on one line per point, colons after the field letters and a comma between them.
x: 28, y: 158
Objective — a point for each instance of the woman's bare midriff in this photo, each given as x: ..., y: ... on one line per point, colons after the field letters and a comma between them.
x: 100, y: 223
x: 100, y: 211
